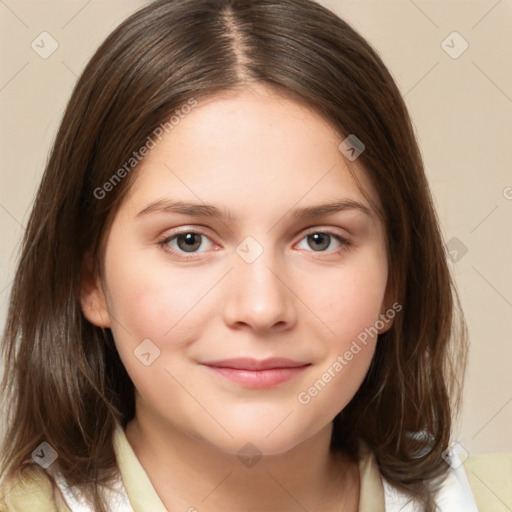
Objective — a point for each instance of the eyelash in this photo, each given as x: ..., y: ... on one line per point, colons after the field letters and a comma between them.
x: 164, y: 244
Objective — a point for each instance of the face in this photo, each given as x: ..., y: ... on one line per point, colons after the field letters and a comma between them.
x: 240, y: 323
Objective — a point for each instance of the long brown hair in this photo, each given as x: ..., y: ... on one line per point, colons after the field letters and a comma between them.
x: 64, y: 382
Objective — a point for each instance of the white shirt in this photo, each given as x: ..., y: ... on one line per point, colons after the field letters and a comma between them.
x: 455, y: 494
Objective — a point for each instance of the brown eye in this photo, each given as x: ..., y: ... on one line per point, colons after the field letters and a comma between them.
x: 186, y: 244
x: 189, y: 242
x: 320, y: 241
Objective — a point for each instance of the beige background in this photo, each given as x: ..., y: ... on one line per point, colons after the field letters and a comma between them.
x: 461, y: 108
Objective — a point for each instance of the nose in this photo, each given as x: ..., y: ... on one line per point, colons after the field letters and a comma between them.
x: 258, y: 296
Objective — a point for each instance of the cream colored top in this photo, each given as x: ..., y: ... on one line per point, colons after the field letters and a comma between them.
x: 487, y: 477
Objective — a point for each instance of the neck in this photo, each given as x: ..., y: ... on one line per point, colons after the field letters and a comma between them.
x: 190, y: 474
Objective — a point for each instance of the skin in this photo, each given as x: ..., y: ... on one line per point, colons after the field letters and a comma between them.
x: 259, y: 155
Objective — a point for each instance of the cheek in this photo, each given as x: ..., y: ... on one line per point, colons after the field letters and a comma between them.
x: 346, y: 354
x: 151, y: 300
x: 334, y: 386
x: 349, y: 308
x: 350, y: 301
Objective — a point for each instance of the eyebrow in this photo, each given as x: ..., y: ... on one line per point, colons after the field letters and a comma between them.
x: 208, y: 210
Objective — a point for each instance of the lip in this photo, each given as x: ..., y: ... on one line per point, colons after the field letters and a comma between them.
x: 254, y: 373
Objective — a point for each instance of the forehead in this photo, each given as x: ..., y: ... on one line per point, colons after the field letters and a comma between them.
x: 250, y: 148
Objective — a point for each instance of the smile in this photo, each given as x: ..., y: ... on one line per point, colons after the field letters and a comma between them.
x: 257, y: 374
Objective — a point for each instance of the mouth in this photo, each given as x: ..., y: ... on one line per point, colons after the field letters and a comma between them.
x: 253, y: 373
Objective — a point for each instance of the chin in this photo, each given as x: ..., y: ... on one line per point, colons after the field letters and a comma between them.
x: 254, y: 444
x: 272, y: 439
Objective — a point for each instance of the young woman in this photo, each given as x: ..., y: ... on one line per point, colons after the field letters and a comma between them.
x: 233, y: 293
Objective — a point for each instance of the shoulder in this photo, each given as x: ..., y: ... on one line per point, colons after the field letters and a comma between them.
x: 31, y: 489
x: 480, y: 483
x: 490, y: 477
x: 454, y: 491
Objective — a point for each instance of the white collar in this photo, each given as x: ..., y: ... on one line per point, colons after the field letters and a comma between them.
x: 455, y: 494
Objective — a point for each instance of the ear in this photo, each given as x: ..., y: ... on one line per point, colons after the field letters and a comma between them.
x: 390, y: 307
x: 92, y: 296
